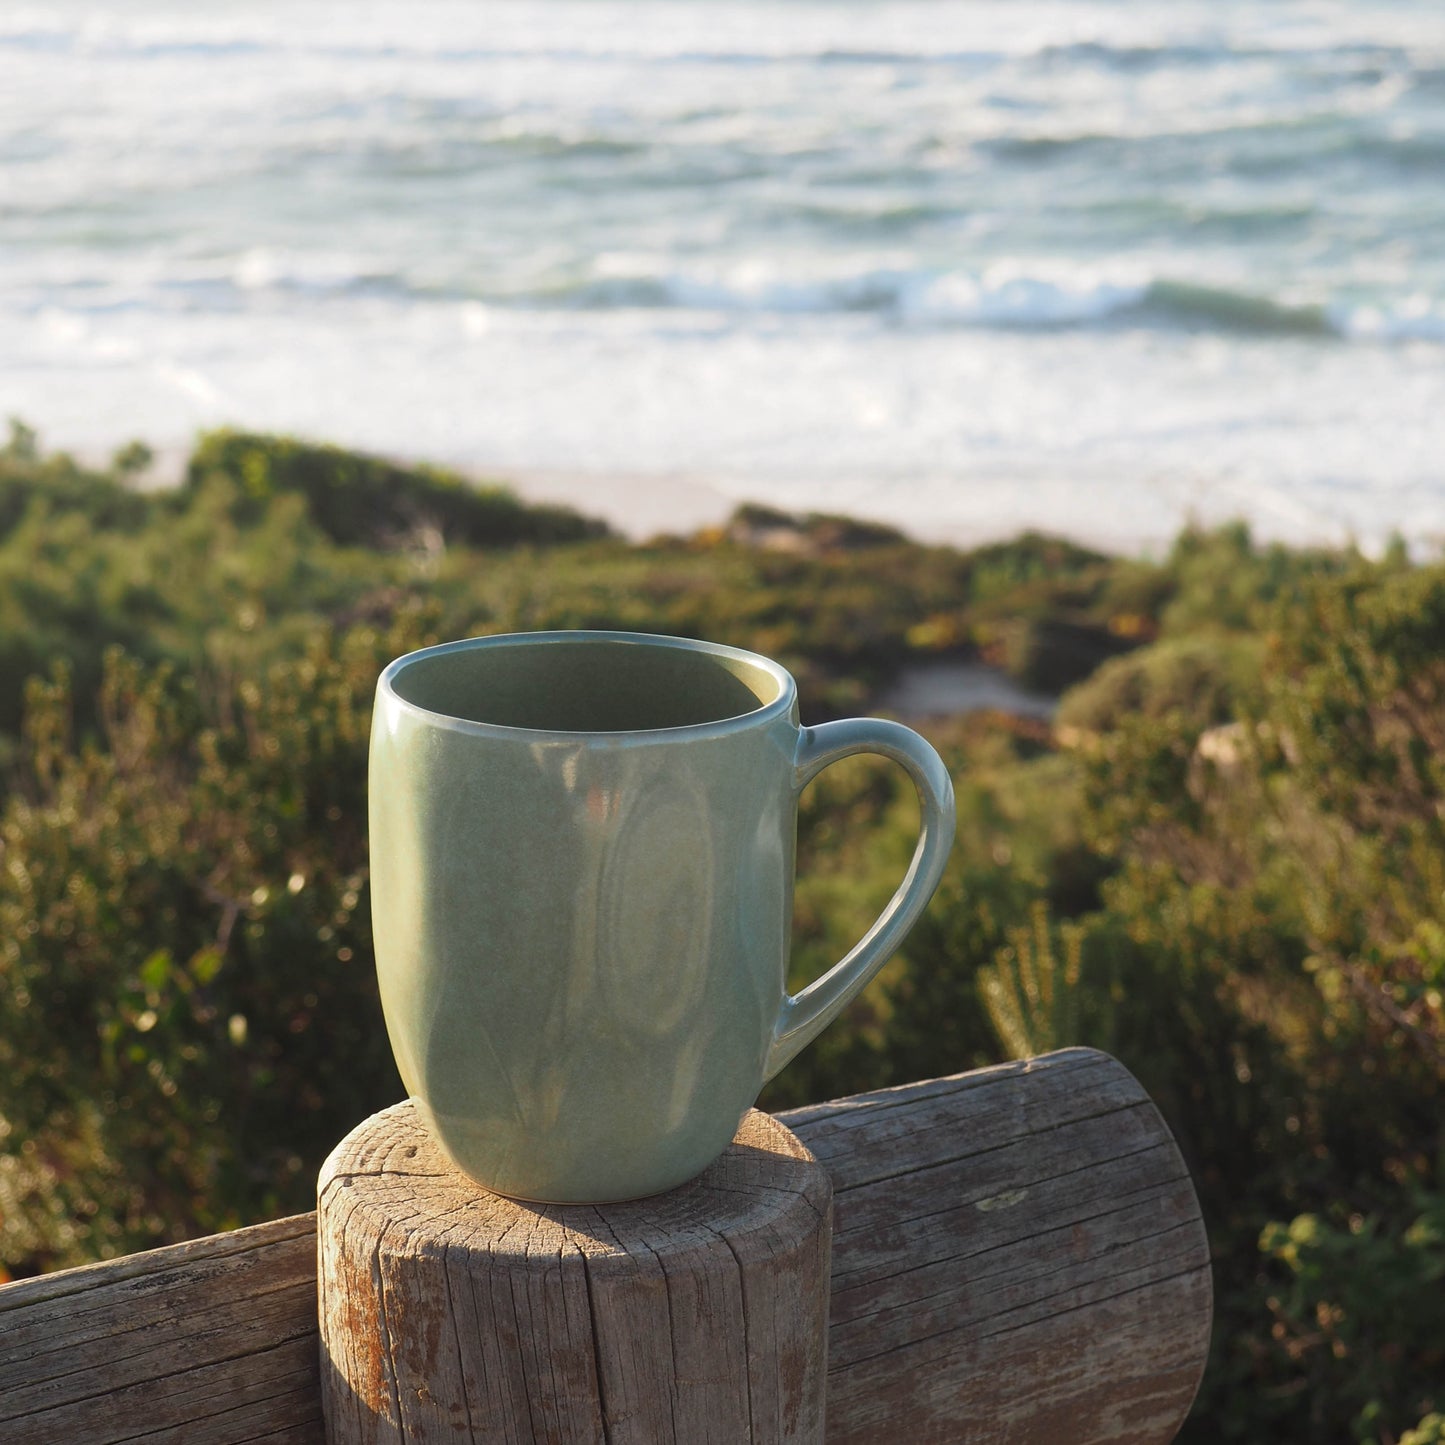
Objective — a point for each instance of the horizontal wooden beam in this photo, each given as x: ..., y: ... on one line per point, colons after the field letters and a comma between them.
x: 211, y: 1342
x: 1017, y: 1255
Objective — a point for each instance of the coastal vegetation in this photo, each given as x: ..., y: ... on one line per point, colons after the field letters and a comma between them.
x: 1224, y: 862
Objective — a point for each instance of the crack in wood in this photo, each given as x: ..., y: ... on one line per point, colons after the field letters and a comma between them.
x: 969, y: 1156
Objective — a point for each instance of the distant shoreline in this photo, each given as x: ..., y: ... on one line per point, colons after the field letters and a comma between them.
x: 637, y: 505
x: 640, y: 506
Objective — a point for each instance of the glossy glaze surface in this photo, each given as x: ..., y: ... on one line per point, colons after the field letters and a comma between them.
x: 582, y: 911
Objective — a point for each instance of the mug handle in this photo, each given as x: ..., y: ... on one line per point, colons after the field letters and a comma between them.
x: 804, y: 1016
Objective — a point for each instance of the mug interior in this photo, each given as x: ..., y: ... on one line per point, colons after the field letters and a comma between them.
x: 586, y: 684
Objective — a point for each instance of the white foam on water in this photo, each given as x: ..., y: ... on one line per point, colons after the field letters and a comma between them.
x: 1115, y: 439
x: 964, y: 265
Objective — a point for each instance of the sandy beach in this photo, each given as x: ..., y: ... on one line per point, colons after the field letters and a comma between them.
x: 638, y: 507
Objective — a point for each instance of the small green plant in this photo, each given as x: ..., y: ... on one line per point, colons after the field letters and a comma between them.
x: 1033, y: 989
x: 1352, y: 1287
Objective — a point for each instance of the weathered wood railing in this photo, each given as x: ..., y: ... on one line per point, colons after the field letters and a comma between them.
x: 1017, y: 1255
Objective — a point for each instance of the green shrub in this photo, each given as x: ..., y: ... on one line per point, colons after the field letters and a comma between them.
x: 31, y: 483
x: 1350, y: 1292
x: 1233, y: 882
x: 189, y: 1021
x: 1203, y: 678
x: 368, y: 501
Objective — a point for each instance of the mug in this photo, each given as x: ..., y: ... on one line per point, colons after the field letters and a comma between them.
x: 582, y: 854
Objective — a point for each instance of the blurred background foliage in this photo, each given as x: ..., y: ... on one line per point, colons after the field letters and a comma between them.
x: 1224, y: 862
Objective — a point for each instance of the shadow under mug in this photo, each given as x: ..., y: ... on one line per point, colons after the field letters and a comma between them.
x: 582, y: 850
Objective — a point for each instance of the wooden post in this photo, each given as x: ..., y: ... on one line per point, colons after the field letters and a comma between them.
x: 449, y: 1314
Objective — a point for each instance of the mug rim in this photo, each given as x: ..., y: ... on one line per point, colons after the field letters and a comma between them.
x: 780, y: 706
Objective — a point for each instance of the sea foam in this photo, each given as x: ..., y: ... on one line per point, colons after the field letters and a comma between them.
x: 966, y: 265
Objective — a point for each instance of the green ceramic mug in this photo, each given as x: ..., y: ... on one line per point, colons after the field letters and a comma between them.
x: 581, y: 880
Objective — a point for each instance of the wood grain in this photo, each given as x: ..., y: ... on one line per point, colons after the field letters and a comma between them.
x: 208, y: 1342
x: 1017, y: 1256
x: 450, y: 1315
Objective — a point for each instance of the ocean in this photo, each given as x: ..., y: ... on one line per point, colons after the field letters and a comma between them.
x: 968, y: 266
